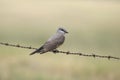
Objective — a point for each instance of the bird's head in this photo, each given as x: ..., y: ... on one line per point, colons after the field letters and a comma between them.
x: 62, y: 30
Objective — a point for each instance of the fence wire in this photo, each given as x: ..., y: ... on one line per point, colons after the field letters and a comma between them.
x: 64, y: 52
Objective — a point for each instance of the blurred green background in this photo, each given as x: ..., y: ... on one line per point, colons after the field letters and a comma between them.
x: 93, y: 25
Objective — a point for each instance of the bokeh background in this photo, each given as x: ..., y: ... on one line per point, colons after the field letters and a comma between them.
x: 93, y: 26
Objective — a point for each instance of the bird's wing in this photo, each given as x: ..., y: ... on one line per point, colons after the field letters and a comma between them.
x: 53, y: 43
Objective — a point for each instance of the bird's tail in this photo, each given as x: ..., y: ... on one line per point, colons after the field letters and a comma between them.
x: 34, y: 52
x: 37, y: 51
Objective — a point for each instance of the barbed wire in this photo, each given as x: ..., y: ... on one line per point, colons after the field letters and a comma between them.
x: 64, y: 52
x: 17, y: 45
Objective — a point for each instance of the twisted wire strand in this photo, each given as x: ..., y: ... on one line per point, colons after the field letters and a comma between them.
x: 64, y: 52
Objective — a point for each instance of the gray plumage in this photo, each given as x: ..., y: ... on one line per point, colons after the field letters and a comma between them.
x: 53, y: 42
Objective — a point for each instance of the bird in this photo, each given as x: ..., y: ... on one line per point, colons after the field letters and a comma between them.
x: 53, y: 42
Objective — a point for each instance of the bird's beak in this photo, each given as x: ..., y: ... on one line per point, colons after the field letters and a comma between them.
x: 66, y: 32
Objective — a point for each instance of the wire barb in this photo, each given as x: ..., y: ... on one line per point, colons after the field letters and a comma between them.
x: 64, y: 52
x: 17, y: 45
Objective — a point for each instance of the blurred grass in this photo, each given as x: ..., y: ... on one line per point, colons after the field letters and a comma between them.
x: 93, y: 28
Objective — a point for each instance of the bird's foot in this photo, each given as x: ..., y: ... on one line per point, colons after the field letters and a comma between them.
x: 55, y: 51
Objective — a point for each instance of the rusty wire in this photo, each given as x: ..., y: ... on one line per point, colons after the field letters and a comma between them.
x: 64, y: 52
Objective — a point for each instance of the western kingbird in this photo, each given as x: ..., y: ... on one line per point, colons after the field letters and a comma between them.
x: 53, y: 42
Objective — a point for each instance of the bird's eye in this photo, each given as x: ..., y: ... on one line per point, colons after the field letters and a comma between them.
x: 62, y: 30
